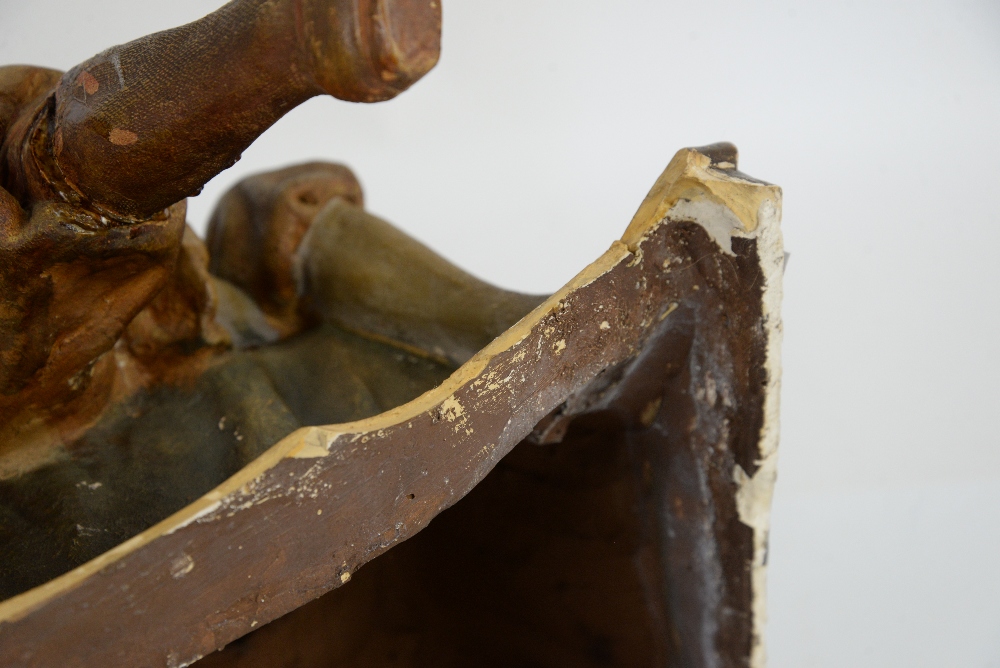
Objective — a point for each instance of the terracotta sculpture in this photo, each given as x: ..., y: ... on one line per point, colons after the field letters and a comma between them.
x: 107, y: 298
x: 162, y: 459
x: 97, y: 163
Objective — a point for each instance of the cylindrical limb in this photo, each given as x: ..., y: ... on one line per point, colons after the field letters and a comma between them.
x: 145, y: 124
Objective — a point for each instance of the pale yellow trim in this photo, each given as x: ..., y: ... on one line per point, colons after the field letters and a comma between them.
x: 691, y: 176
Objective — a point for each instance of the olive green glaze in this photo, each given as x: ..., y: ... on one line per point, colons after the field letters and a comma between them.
x: 390, y: 320
x: 163, y: 448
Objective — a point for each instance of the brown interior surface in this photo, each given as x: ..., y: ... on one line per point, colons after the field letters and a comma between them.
x: 614, y: 543
x: 540, y: 565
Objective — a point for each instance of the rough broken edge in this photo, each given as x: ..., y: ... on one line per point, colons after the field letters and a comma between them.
x: 699, y: 185
x: 703, y: 185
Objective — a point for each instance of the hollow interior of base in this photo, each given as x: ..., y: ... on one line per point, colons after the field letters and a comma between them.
x: 544, y: 563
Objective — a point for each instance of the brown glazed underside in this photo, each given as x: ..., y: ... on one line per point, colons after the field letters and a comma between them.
x: 634, y: 508
x: 618, y: 546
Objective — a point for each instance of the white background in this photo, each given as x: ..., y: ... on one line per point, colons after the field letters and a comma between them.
x: 525, y: 153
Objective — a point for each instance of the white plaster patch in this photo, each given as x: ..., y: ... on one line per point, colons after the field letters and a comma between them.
x: 753, y: 494
x: 717, y: 219
x: 753, y: 497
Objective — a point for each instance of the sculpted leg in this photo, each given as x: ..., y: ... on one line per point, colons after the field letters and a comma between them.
x: 145, y: 124
x: 298, y: 241
x: 95, y: 164
x: 69, y: 284
x: 256, y: 229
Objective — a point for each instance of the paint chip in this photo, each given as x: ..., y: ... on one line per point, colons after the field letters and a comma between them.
x: 670, y: 309
x: 650, y: 411
x: 345, y: 577
x: 559, y: 346
x: 89, y: 82
x: 181, y: 566
x: 605, y: 325
x: 450, y: 409
x: 120, y: 137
